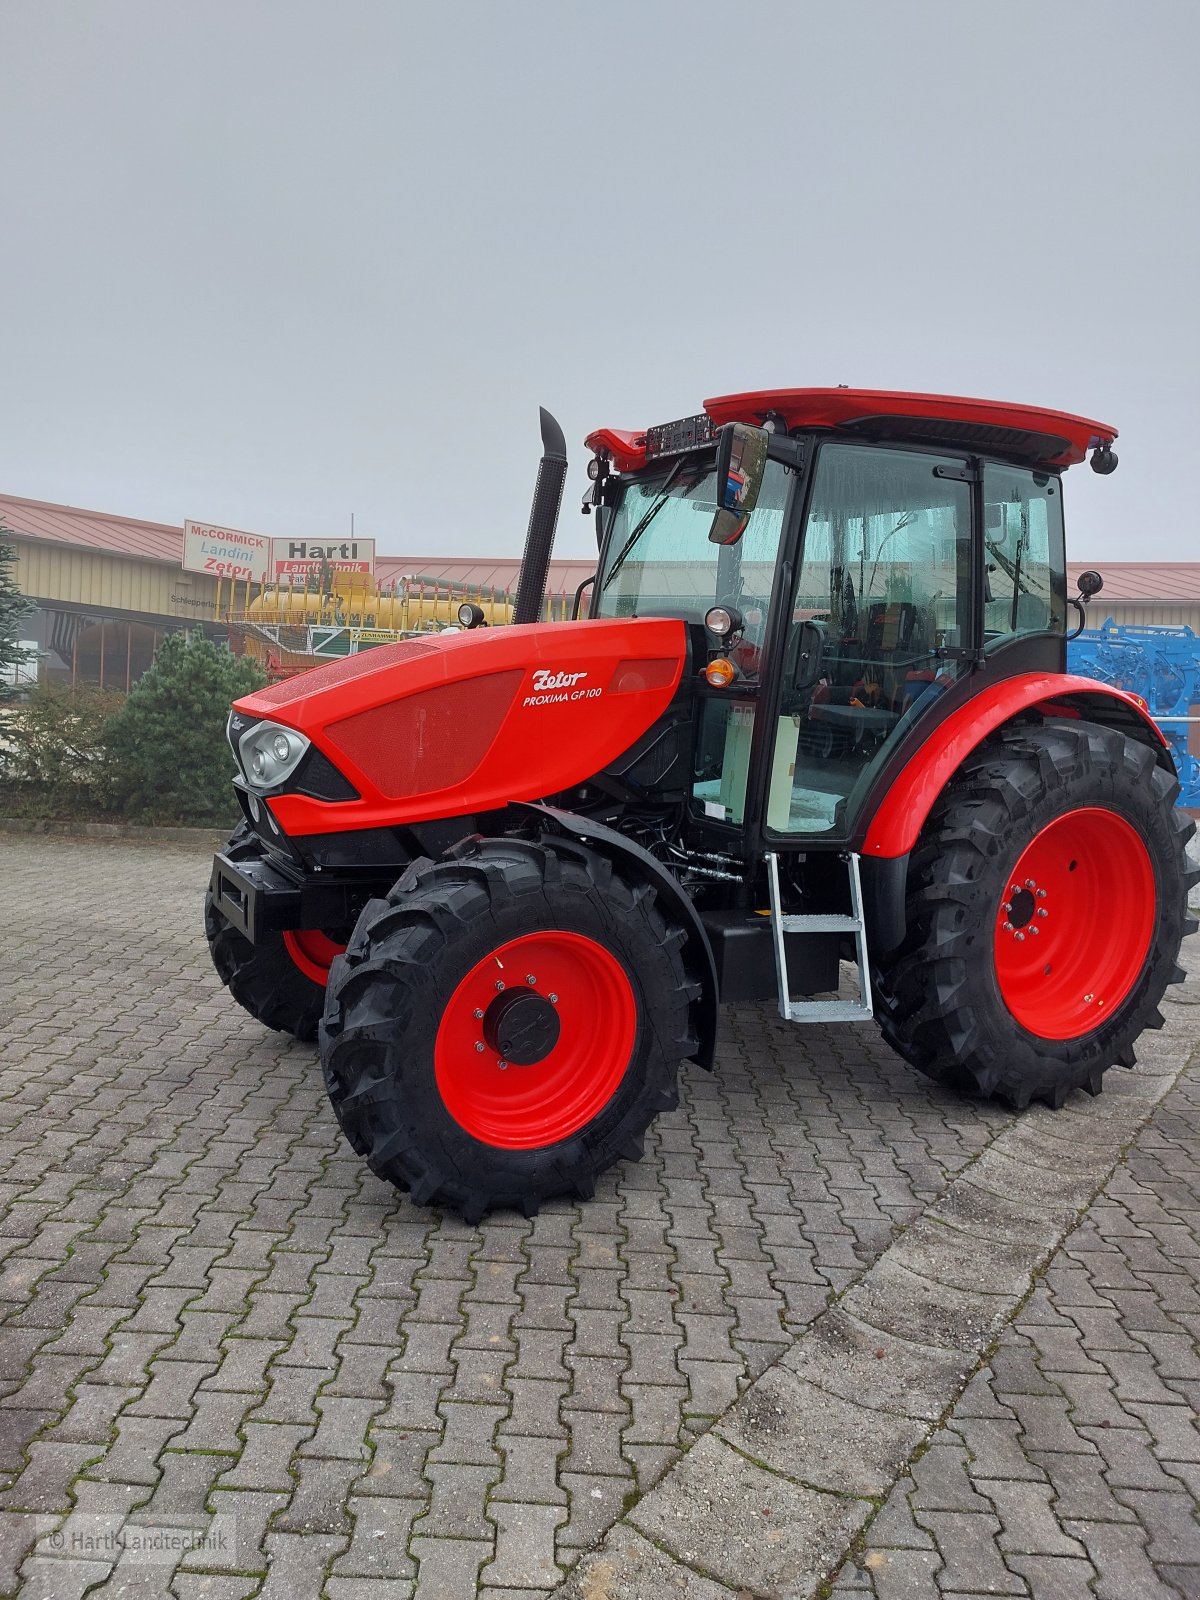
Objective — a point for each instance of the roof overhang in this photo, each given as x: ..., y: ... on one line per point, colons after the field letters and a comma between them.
x: 1028, y: 433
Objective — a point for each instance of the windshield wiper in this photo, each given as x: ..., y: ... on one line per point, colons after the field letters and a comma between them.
x: 645, y: 520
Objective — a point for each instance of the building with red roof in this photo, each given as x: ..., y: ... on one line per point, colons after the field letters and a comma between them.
x: 107, y: 587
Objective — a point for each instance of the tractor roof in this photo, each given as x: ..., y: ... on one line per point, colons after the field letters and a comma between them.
x: 1029, y: 433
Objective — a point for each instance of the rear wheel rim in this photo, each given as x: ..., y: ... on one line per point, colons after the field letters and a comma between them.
x: 1075, y: 923
x: 583, y: 1023
x: 312, y: 951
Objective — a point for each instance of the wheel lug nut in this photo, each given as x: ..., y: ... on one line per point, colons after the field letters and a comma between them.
x: 1042, y: 913
x: 499, y: 985
x: 1006, y: 905
x: 479, y: 1046
x: 1041, y: 894
x: 1035, y: 929
x: 1008, y: 927
x: 478, y: 1014
x: 503, y: 1065
x: 531, y: 980
x: 1014, y: 888
x: 1020, y: 938
x: 553, y: 999
x: 1029, y: 883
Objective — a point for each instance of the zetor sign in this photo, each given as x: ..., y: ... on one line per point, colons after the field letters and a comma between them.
x: 299, y: 557
x: 225, y: 552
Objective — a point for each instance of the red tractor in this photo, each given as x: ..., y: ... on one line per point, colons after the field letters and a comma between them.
x: 818, y: 710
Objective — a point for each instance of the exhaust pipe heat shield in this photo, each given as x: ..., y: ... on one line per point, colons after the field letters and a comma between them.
x: 543, y: 519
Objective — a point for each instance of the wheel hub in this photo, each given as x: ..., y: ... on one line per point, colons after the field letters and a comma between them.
x: 521, y: 1026
x: 1020, y: 908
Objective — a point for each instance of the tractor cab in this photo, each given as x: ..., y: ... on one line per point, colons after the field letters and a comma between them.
x: 862, y: 571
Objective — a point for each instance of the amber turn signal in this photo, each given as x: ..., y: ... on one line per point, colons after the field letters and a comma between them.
x: 720, y: 673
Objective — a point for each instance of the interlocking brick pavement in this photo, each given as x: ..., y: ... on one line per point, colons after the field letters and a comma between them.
x: 220, y: 1330
x: 1071, y: 1464
x: 213, y: 1308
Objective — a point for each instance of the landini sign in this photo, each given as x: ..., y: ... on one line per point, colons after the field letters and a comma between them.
x: 225, y: 552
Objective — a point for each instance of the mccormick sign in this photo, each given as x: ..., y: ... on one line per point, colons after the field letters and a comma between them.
x: 299, y: 557
x: 225, y: 552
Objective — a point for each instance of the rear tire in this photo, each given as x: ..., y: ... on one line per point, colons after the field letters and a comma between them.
x: 263, y: 978
x: 975, y: 998
x: 541, y: 950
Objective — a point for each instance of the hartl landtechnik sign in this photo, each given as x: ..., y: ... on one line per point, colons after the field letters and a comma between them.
x: 299, y: 557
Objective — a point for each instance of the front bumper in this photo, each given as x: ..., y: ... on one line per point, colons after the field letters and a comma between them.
x: 255, y: 897
x: 259, y: 895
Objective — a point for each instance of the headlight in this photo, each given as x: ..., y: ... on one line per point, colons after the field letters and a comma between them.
x: 725, y: 621
x: 269, y: 753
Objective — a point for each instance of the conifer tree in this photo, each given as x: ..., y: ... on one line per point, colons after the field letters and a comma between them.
x: 168, y: 757
x: 14, y: 609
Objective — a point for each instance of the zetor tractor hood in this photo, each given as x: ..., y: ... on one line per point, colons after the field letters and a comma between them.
x: 454, y: 723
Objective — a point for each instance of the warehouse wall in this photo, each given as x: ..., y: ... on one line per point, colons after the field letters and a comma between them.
x: 105, y: 582
x: 100, y: 617
x: 1143, y: 615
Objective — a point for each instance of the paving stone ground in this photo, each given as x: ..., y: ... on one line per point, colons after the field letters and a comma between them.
x: 233, y: 1363
x: 1071, y: 1464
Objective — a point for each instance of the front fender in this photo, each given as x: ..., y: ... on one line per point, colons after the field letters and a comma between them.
x: 897, y: 823
x: 697, y: 950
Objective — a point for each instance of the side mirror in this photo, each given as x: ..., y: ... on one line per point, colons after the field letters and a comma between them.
x: 741, y: 462
x: 1088, y: 584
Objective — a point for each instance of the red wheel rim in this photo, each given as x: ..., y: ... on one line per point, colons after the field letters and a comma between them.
x: 1075, y: 924
x: 584, y: 993
x: 312, y: 952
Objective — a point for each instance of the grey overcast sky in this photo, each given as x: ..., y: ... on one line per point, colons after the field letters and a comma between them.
x: 267, y: 262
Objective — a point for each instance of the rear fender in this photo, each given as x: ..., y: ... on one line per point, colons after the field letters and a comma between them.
x: 697, y: 950
x: 897, y: 823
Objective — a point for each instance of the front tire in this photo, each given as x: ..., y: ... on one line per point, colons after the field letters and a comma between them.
x: 1047, y: 900
x: 506, y: 1025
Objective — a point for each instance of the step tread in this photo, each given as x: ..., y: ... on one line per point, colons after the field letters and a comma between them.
x: 828, y: 1011
x: 815, y: 922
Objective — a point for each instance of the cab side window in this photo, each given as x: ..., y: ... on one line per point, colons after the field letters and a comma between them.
x: 880, y: 624
x: 1024, y: 554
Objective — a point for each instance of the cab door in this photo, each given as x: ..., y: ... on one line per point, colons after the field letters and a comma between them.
x: 880, y: 625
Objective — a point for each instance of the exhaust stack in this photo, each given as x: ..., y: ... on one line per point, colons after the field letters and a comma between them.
x: 543, y: 519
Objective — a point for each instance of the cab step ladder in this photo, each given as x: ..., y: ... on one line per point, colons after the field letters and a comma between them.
x: 860, y: 1010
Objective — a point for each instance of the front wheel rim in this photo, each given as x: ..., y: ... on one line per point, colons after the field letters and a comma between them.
x: 312, y: 952
x: 1075, y: 923
x: 582, y: 1024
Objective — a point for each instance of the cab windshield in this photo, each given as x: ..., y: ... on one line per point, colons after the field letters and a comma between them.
x: 670, y: 568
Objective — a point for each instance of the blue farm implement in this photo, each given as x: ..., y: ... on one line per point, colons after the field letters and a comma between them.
x: 1163, y: 666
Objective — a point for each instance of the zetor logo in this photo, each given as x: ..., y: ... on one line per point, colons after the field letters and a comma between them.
x: 555, y: 680
x: 552, y: 688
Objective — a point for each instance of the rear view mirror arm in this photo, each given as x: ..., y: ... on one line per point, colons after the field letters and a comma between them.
x: 586, y: 584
